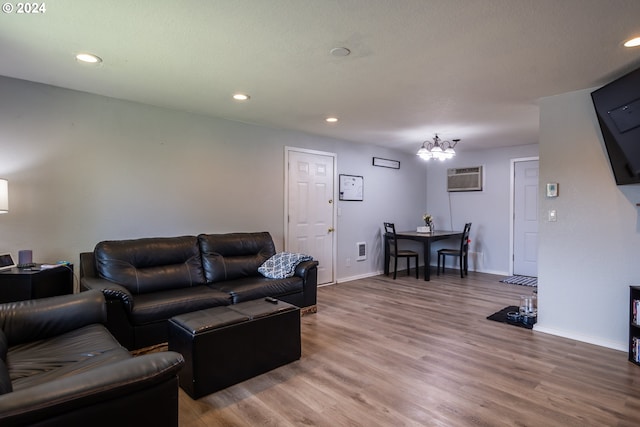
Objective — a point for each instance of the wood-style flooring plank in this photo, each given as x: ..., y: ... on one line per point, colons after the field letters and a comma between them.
x: 405, y: 352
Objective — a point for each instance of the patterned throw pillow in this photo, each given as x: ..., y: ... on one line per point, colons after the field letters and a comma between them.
x: 282, y: 264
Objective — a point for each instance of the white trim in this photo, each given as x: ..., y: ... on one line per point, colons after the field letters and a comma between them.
x: 496, y: 272
x: 334, y: 219
x: 360, y: 276
x: 512, y: 201
x: 622, y: 346
x: 380, y: 273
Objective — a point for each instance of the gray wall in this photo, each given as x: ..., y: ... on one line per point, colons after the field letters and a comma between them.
x: 84, y: 168
x: 589, y: 257
x: 488, y: 210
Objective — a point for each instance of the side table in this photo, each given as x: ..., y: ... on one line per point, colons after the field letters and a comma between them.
x: 20, y: 284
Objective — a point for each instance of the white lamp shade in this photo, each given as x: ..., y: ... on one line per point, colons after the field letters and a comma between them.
x: 424, y: 154
x: 4, y: 196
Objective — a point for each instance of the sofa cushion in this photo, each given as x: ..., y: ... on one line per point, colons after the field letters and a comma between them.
x: 42, y: 361
x: 250, y: 288
x: 151, y: 264
x: 234, y: 255
x: 163, y: 305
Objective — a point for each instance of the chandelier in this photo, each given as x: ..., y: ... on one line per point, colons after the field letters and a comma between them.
x: 438, y: 149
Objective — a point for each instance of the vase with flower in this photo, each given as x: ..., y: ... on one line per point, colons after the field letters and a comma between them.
x: 428, y: 222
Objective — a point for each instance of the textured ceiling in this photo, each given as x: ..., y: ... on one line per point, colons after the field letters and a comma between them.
x: 469, y: 69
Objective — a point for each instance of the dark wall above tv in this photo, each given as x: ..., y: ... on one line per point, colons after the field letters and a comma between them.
x: 617, y: 106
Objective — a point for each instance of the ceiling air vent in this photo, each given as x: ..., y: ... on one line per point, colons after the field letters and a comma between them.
x: 464, y: 179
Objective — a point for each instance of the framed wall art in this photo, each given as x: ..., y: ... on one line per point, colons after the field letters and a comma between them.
x: 386, y: 163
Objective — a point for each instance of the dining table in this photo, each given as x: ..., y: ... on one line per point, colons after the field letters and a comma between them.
x: 426, y: 238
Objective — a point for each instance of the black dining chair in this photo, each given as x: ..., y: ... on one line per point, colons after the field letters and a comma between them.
x: 462, y: 253
x: 395, y: 252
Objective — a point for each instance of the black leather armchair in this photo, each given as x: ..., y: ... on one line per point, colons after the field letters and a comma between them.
x: 59, y: 365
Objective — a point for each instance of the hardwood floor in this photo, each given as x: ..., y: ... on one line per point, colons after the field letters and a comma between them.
x: 381, y: 352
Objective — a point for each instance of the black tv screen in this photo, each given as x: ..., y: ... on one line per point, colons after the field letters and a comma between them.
x: 617, y: 106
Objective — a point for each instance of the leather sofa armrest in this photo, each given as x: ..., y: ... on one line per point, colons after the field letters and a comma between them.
x: 31, y: 320
x: 89, y: 279
x: 62, y: 396
x: 303, y: 268
x: 308, y: 270
x: 110, y: 290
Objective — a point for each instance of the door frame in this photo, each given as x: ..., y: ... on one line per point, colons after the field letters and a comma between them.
x: 512, y: 201
x: 334, y: 215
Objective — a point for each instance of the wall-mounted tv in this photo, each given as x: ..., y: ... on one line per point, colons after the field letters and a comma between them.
x: 617, y: 106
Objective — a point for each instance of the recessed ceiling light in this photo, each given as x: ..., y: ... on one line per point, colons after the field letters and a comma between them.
x: 241, y: 97
x: 340, y: 51
x: 331, y: 119
x: 88, y: 58
x: 632, y: 42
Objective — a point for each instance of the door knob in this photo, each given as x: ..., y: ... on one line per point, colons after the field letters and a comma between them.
x: 331, y: 230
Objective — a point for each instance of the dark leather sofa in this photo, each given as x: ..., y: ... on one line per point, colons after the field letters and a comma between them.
x: 60, y: 366
x: 147, y: 281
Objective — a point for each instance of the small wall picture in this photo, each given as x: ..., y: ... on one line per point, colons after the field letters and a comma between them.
x: 351, y: 187
x: 386, y: 163
x: 552, y: 189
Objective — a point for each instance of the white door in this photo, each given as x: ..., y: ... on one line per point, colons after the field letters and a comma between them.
x: 309, y: 205
x: 525, y: 218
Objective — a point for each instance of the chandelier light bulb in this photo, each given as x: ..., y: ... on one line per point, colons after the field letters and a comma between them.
x: 423, y: 153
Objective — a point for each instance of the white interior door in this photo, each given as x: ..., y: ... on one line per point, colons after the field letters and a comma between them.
x: 525, y: 218
x: 309, y: 205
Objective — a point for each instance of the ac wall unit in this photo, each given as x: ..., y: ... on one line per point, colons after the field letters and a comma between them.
x: 464, y: 179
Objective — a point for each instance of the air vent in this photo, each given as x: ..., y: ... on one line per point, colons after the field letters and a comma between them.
x: 362, y: 251
x: 464, y: 179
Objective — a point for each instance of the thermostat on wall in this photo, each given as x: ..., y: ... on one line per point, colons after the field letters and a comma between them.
x: 552, y: 189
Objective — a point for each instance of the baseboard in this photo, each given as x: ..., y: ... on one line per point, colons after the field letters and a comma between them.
x: 582, y: 338
x: 478, y: 270
x: 379, y: 272
x: 496, y: 272
x: 360, y: 276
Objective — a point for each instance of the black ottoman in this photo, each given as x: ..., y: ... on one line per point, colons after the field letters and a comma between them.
x: 223, y: 346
